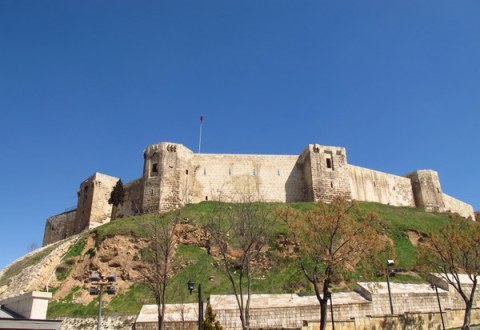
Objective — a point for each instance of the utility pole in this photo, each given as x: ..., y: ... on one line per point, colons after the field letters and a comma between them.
x: 389, y: 264
x: 200, y: 138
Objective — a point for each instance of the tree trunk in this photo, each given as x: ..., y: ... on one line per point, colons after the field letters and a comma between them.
x: 466, y: 318
x: 242, y: 319
x: 247, y: 305
x: 160, y: 317
x: 114, y: 212
x: 323, y: 314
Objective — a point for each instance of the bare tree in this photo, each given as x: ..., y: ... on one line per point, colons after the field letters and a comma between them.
x: 240, y: 231
x: 454, y: 251
x: 158, y: 259
x: 32, y: 246
x: 333, y: 240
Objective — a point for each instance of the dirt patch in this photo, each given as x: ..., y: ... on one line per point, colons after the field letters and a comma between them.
x: 416, y: 237
x: 118, y: 255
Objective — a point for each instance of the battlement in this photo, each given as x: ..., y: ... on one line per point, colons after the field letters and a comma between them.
x: 174, y: 176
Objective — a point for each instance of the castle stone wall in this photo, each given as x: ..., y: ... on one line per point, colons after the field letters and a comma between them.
x: 165, y: 175
x: 328, y: 171
x: 183, y: 176
x: 133, y: 199
x: 59, y: 227
x: 174, y: 176
x: 457, y: 206
x: 151, y: 170
x: 427, y: 190
x: 230, y: 177
x: 101, y: 209
x: 92, y: 208
x: 453, y: 319
x: 405, y: 297
x: 374, y: 186
x: 286, y: 311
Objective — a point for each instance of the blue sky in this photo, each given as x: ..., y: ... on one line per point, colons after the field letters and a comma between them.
x: 85, y: 86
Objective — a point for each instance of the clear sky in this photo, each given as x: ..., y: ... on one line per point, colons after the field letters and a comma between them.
x: 85, y: 86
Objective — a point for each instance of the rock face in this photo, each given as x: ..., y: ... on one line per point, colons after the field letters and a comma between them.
x: 174, y: 176
x: 119, y: 254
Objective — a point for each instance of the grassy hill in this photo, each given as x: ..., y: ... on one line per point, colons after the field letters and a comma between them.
x: 282, y: 276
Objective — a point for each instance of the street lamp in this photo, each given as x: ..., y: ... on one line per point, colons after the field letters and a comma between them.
x: 98, y: 282
x: 390, y: 263
x: 191, y: 286
x: 435, y: 287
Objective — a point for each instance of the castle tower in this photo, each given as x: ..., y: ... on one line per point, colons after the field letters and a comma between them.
x: 427, y: 190
x: 166, y: 177
x: 92, y: 208
x: 326, y: 172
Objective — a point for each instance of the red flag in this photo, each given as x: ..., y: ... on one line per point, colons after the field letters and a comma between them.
x: 201, y: 119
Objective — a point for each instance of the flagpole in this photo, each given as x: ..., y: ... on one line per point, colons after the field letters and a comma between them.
x: 200, y: 138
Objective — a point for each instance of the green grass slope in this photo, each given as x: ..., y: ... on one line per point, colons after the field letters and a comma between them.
x: 283, y: 275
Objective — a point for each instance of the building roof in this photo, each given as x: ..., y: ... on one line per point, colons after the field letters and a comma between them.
x: 396, y: 288
x: 9, y: 323
x: 259, y: 301
x: 173, y: 313
x: 11, y: 320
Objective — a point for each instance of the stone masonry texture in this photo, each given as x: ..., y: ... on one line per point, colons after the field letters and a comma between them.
x: 174, y: 176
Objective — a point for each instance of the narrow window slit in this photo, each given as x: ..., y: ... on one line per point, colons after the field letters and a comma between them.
x: 329, y: 163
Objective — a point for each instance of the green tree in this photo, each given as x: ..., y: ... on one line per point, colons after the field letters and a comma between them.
x: 210, y: 322
x: 117, y: 197
x: 452, y: 254
x: 334, y: 241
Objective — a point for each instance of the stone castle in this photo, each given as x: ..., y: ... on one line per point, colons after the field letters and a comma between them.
x: 174, y: 176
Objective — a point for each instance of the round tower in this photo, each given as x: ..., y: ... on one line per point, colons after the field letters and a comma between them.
x: 165, y: 174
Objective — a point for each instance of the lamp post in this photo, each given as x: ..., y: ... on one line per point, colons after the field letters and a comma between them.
x: 435, y: 287
x: 191, y: 286
x: 329, y: 296
x: 390, y: 263
x: 98, y: 282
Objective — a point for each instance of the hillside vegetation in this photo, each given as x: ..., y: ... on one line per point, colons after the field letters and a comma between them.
x: 118, y: 245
